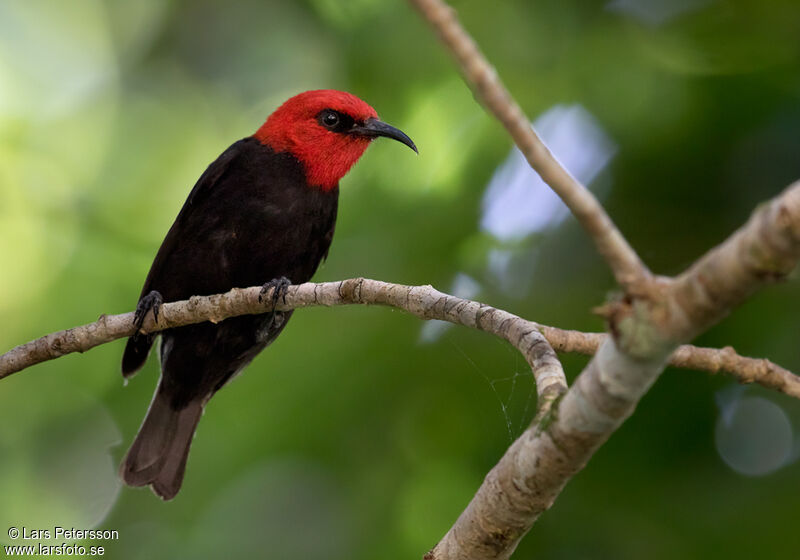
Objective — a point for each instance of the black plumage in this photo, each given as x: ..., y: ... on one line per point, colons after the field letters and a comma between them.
x: 251, y: 218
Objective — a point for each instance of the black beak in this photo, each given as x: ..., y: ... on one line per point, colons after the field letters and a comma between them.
x: 373, y: 128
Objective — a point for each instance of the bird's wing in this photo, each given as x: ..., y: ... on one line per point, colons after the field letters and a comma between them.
x: 213, y: 173
x: 210, y: 178
x: 138, y: 347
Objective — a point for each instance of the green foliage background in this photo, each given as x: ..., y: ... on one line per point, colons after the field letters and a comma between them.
x: 349, y: 438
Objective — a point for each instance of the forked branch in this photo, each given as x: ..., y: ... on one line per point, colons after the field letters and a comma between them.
x: 648, y: 324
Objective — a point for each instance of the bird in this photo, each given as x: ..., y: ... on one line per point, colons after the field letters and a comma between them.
x: 262, y: 214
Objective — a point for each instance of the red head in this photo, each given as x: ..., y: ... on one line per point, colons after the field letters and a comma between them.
x: 327, y: 131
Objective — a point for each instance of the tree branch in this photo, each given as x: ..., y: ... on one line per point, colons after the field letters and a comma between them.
x: 647, y: 329
x: 763, y: 251
x: 655, y: 316
x: 482, y: 78
x: 712, y: 360
x: 532, y: 472
x: 423, y: 301
x: 452, y: 309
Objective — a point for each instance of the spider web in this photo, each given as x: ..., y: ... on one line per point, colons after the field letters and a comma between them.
x: 505, y: 389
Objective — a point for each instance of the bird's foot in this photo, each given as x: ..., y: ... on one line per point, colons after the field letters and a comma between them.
x: 151, y: 301
x: 279, y: 286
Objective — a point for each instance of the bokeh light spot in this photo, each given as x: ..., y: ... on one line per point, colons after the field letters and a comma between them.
x: 517, y: 202
x: 754, y: 436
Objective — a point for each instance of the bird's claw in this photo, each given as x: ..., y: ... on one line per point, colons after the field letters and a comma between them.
x: 151, y: 301
x: 280, y: 287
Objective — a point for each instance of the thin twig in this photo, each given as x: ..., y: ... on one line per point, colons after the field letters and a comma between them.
x: 711, y: 360
x: 482, y: 78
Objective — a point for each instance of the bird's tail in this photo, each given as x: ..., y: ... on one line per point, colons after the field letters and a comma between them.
x: 135, y: 355
x: 158, y: 454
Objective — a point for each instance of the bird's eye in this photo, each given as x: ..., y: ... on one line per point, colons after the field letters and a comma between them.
x: 335, y: 121
x: 330, y: 119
